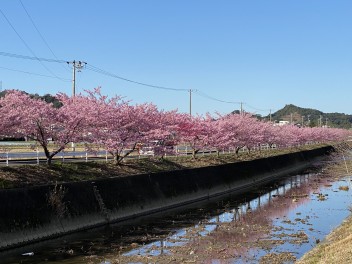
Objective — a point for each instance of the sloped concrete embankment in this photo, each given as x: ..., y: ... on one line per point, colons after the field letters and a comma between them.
x: 42, y: 212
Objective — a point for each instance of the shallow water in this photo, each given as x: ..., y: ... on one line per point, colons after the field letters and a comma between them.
x: 288, y: 216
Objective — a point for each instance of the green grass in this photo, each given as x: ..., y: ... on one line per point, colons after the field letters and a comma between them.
x: 6, y: 184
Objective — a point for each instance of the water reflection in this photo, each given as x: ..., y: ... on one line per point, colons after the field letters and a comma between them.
x: 288, y: 218
x: 285, y: 221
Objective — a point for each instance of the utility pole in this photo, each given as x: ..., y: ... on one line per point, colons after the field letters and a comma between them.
x: 326, y: 122
x: 79, y: 66
x: 190, y: 102
x: 270, y: 116
x: 241, y: 111
x: 75, y: 65
x: 291, y: 118
x: 302, y: 121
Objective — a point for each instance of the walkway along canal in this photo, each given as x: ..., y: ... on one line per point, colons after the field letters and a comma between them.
x: 213, y: 219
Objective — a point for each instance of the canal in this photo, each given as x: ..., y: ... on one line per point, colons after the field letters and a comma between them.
x: 280, y: 221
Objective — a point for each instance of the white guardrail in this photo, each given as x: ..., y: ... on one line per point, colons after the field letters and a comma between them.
x: 9, y: 152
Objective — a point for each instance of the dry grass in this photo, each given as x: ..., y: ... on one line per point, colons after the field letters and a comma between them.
x: 337, y: 248
x: 25, y: 175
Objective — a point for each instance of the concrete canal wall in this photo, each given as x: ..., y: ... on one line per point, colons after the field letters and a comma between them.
x: 42, y: 212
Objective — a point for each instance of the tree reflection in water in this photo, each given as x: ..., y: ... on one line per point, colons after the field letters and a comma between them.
x: 260, y: 226
x: 242, y: 231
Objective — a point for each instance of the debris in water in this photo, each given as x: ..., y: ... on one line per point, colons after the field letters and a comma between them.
x: 28, y: 254
x: 321, y: 197
x: 344, y: 188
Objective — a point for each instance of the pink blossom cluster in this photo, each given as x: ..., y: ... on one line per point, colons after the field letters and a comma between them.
x: 122, y: 128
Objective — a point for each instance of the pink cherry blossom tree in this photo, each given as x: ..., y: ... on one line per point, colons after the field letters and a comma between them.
x: 23, y: 116
x: 164, y: 132
x: 237, y: 131
x: 117, y: 126
x: 272, y: 134
x: 194, y: 131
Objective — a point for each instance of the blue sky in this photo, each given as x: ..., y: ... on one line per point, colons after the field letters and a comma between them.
x: 263, y: 53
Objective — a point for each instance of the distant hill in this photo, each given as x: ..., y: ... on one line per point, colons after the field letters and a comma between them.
x: 312, y: 117
x: 47, y: 98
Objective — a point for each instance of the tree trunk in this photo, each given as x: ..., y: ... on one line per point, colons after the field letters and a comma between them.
x: 194, y: 152
x: 237, y: 152
x: 47, y: 155
x: 117, y: 158
x: 50, y: 156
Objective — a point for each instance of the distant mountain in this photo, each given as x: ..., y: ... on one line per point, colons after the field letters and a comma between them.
x: 311, y: 117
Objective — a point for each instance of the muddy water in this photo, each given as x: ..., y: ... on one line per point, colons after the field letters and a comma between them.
x: 279, y: 221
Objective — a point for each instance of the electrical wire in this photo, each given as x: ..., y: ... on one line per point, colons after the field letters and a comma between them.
x: 40, y: 34
x: 106, y: 73
x: 32, y: 73
x: 89, y: 67
x: 260, y: 110
x: 98, y: 70
x: 213, y: 98
x: 27, y: 46
x: 200, y: 93
x: 12, y: 55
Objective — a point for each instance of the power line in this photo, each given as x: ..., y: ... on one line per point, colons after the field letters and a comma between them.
x: 27, y: 46
x: 200, y: 93
x: 109, y: 74
x: 41, y: 35
x: 90, y: 67
x: 12, y: 55
x: 32, y: 73
x: 257, y: 109
x: 213, y: 98
x: 98, y: 70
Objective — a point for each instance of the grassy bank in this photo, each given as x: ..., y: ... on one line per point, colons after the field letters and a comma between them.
x: 25, y: 175
x: 337, y: 247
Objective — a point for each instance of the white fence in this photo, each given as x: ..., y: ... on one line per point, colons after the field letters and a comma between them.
x: 10, y: 153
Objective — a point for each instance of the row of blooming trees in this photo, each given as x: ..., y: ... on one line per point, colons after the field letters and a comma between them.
x: 120, y: 127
